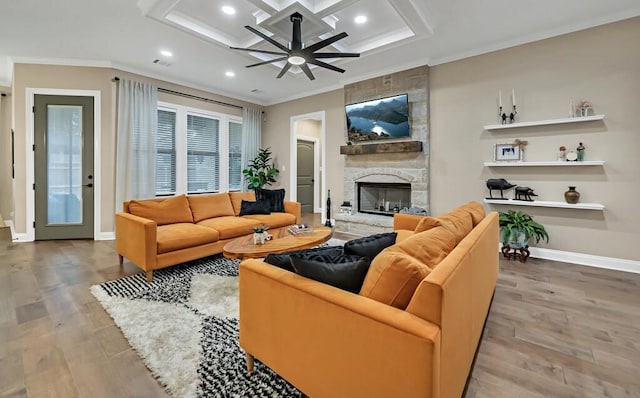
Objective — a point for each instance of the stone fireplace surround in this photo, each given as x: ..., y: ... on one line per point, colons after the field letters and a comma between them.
x: 409, y: 167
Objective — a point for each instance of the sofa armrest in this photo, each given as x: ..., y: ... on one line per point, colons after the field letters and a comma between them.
x: 301, y: 328
x: 136, y: 239
x: 406, y: 221
x: 294, y: 208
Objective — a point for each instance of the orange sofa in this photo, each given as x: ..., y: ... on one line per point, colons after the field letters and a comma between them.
x: 413, y: 329
x: 160, y: 232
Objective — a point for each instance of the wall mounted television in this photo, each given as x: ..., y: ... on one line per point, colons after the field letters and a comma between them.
x: 380, y: 119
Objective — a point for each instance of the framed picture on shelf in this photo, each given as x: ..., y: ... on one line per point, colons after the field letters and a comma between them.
x: 507, y: 153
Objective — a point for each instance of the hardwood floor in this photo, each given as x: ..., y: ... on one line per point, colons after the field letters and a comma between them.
x: 554, y: 330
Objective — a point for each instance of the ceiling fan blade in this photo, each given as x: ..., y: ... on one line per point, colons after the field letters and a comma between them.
x: 326, y: 42
x: 335, y: 55
x: 258, y: 51
x: 284, y: 70
x: 267, y: 38
x: 307, y: 71
x: 326, y: 65
x: 267, y: 62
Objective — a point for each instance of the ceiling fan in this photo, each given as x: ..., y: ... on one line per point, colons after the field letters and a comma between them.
x: 297, y: 53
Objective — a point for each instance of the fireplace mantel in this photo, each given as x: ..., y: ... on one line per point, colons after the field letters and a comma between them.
x: 384, y: 147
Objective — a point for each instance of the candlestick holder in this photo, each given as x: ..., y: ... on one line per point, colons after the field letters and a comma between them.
x: 512, y: 115
x: 502, y: 115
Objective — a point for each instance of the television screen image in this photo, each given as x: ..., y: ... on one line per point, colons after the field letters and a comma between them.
x: 379, y: 119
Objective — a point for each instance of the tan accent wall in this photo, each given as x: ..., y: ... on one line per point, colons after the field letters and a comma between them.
x: 89, y: 78
x: 276, y: 133
x: 6, y: 182
x: 600, y: 65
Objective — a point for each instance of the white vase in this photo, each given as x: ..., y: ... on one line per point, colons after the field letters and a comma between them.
x: 584, y: 112
x: 259, y: 238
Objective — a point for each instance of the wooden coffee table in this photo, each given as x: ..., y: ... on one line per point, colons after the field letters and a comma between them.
x: 283, y: 241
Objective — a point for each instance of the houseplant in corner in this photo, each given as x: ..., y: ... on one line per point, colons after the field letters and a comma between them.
x: 261, y: 171
x: 516, y: 228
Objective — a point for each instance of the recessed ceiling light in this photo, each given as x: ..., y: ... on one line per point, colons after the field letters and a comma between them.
x: 166, y: 53
x: 360, y: 19
x: 228, y: 10
x: 229, y: 73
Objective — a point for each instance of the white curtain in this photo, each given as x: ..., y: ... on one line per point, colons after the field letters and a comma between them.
x: 251, y: 137
x: 136, y: 144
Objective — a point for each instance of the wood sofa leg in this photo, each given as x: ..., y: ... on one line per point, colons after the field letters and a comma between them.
x: 149, y: 276
x: 120, y: 260
x: 249, y: 363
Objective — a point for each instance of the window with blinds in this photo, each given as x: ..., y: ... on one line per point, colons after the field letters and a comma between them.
x: 166, y: 153
x: 203, y: 158
x: 235, y: 154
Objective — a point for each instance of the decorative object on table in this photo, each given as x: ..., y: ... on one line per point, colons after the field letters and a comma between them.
x: 580, y: 150
x: 583, y: 108
x: 328, y: 222
x: 346, y: 208
x: 514, y: 112
x: 572, y: 196
x: 571, y: 156
x: 414, y: 210
x: 562, y: 154
x: 301, y: 229
x: 260, y: 235
x: 510, y: 152
x: 516, y: 229
x: 524, y: 193
x: 260, y: 171
x: 498, y: 183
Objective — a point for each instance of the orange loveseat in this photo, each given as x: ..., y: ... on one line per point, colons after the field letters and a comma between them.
x: 413, y: 329
x: 160, y: 232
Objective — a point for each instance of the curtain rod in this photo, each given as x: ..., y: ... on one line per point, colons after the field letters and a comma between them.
x: 185, y: 95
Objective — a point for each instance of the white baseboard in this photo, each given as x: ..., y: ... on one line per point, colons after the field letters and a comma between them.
x: 105, y: 236
x: 19, y: 238
x: 9, y: 223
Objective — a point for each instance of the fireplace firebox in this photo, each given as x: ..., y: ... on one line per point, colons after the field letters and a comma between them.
x: 383, y: 198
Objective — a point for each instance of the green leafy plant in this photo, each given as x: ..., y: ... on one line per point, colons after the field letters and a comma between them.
x: 513, y: 223
x: 260, y: 230
x: 261, y: 171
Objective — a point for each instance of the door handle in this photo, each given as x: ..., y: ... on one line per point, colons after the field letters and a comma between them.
x: 89, y: 185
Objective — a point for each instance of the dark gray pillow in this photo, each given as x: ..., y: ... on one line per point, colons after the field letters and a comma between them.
x: 347, y: 276
x: 370, y: 246
x: 275, y: 197
x: 283, y: 261
x: 257, y: 207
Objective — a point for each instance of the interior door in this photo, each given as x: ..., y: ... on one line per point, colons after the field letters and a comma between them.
x: 305, y: 179
x: 63, y: 167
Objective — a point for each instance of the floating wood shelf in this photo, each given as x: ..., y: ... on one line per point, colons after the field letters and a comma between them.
x: 544, y: 122
x: 386, y: 147
x: 546, y: 203
x: 550, y: 163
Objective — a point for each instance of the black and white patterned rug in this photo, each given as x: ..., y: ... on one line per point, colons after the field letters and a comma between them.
x: 184, y: 326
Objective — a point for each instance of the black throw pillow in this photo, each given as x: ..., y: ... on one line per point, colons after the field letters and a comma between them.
x: 347, y: 276
x: 283, y: 260
x: 275, y: 197
x: 257, y: 207
x: 370, y: 246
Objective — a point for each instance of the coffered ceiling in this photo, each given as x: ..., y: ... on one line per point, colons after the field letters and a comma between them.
x: 397, y: 34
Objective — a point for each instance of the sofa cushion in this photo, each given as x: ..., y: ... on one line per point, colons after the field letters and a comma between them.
x: 282, y: 260
x: 231, y: 226
x: 258, y: 207
x: 178, y: 236
x: 476, y: 210
x: 370, y: 246
x: 393, y: 277
x: 168, y: 211
x: 275, y: 197
x: 396, y: 272
x: 346, y: 275
x: 459, y: 222
x: 427, y: 223
x: 274, y: 220
x: 210, y: 206
x: 238, y: 197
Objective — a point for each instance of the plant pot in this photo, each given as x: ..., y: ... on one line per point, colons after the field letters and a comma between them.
x: 572, y: 196
x: 259, y: 238
x: 518, y: 239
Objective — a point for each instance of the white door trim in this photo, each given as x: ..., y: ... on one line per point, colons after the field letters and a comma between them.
x: 30, y: 94
x: 293, y: 157
x: 317, y: 208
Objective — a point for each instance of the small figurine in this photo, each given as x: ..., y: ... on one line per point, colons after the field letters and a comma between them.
x: 498, y: 183
x: 580, y: 151
x: 525, y: 192
x: 562, y: 154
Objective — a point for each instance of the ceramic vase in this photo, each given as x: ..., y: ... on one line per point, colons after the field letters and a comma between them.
x: 572, y: 196
x: 259, y: 238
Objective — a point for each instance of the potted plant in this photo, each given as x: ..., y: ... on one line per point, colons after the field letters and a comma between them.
x: 260, y: 235
x: 516, y: 228
x: 261, y: 171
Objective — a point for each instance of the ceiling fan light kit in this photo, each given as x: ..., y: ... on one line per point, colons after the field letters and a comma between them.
x: 297, y: 53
